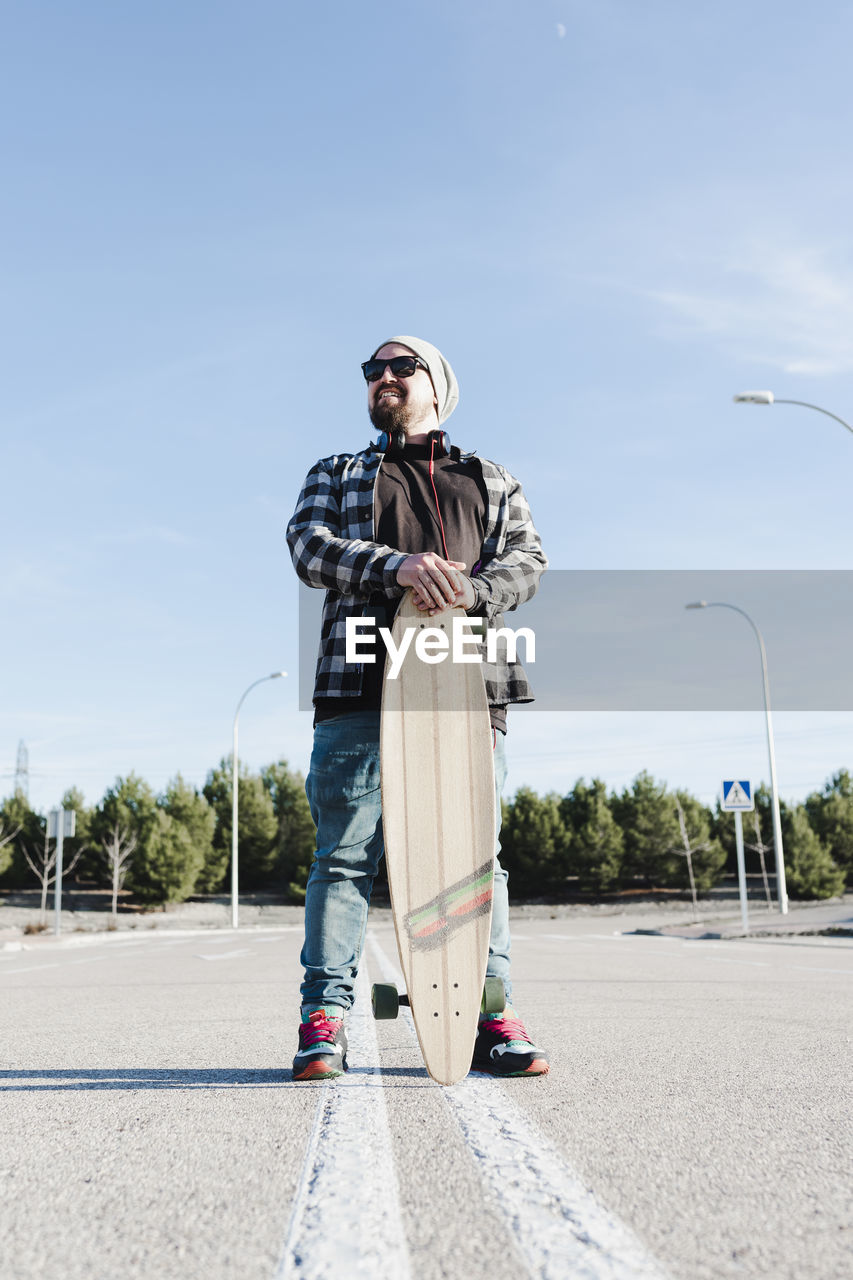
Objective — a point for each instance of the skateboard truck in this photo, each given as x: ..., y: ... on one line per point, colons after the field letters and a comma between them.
x: 385, y: 1000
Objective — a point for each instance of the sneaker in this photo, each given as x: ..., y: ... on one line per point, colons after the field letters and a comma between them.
x: 503, y: 1048
x: 322, y: 1050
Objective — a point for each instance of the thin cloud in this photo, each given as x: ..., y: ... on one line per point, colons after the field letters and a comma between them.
x: 777, y: 305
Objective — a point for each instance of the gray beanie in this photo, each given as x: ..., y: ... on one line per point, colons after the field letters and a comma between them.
x: 443, y: 377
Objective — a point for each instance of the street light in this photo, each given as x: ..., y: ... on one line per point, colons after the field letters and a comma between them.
x: 767, y: 397
x: 275, y: 675
x: 781, y: 888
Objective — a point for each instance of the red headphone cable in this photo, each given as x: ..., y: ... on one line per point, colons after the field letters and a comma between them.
x: 435, y: 494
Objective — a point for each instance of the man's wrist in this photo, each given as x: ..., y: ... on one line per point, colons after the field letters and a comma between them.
x: 479, y: 598
x: 390, y: 569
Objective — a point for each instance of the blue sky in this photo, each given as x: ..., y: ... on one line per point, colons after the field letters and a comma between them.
x: 609, y: 216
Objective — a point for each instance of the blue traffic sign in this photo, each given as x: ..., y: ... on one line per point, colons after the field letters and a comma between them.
x: 737, y: 795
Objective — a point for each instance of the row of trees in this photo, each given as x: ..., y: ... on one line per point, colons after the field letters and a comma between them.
x: 164, y: 848
x: 651, y: 836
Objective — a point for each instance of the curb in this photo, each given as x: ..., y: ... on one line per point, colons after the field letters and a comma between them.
x: 698, y: 934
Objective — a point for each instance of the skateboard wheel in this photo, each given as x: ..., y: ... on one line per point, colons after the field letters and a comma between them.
x: 494, y: 996
x: 385, y: 1000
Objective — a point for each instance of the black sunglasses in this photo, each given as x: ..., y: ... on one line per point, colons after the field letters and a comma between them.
x: 400, y: 366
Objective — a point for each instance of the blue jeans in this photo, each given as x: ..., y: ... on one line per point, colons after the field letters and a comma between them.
x: 343, y: 792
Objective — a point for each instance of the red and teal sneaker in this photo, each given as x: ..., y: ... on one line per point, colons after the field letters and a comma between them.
x: 503, y: 1048
x: 322, y: 1052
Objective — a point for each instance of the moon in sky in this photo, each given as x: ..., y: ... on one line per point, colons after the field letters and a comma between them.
x: 561, y: 30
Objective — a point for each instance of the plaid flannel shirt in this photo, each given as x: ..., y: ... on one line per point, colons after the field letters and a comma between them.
x: 331, y: 539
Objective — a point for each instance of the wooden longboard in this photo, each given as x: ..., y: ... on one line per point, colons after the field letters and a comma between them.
x: 438, y: 817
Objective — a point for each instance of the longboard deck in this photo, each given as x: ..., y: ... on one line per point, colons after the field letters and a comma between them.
x: 438, y: 815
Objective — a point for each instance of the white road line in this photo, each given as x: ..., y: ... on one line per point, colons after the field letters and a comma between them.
x: 557, y: 1225
x: 33, y: 968
x: 813, y: 968
x: 224, y: 941
x: 582, y: 939
x: 225, y: 955
x: 136, y: 941
x: 599, y: 937
x: 568, y: 937
x: 346, y: 1218
x: 53, y: 964
x: 103, y: 954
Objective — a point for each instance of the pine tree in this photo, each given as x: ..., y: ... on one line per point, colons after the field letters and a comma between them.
x: 831, y: 818
x: 122, y: 828
x: 809, y: 868
x: 534, y: 844
x: 649, y: 823
x: 295, y: 840
x: 596, y: 843
x: 165, y: 868
x: 7, y: 847
x: 27, y: 831
x: 78, y: 852
x: 707, y: 857
x: 192, y: 811
x: 257, y: 829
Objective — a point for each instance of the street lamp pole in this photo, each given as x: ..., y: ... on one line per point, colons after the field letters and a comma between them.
x: 767, y: 397
x: 781, y: 887
x: 275, y: 675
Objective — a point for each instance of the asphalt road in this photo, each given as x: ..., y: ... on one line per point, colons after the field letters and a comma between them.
x: 696, y: 1121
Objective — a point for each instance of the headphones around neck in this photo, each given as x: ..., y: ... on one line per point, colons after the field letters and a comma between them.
x: 392, y: 444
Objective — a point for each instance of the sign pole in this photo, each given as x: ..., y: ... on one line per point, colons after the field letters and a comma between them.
x: 60, y: 833
x: 741, y: 869
x: 736, y: 797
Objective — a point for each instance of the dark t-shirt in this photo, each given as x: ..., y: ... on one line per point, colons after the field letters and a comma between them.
x: 406, y: 517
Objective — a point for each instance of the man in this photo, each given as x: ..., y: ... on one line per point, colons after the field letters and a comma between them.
x: 408, y: 512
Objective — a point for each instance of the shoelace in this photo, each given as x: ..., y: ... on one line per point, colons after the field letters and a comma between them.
x: 318, y: 1027
x: 510, y: 1029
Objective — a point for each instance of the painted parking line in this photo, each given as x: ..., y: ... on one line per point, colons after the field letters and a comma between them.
x: 556, y: 1223
x: 349, y: 1170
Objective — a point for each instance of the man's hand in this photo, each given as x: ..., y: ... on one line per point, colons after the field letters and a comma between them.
x: 438, y: 584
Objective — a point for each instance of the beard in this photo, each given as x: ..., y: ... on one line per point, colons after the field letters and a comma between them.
x: 391, y: 417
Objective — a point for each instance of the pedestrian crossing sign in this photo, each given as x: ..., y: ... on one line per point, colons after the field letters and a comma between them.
x: 737, y: 796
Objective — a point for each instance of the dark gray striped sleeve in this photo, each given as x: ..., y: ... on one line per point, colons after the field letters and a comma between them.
x: 511, y: 575
x: 323, y: 557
